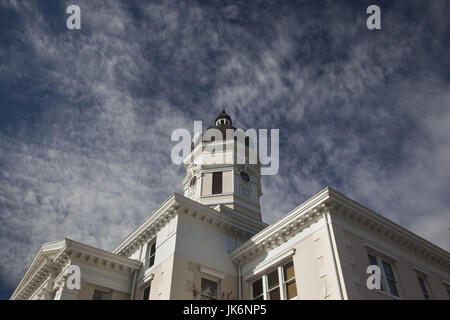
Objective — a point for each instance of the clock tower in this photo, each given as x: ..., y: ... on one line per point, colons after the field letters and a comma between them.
x: 223, y: 169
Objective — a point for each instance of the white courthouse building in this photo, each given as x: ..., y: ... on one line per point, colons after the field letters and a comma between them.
x: 211, y: 243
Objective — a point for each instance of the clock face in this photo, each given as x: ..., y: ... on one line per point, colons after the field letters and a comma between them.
x: 245, y: 176
x: 193, y: 182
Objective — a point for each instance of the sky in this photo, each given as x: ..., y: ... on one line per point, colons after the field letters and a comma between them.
x: 86, y: 115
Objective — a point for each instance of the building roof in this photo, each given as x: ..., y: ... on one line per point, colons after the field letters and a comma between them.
x: 209, y: 135
x: 223, y: 115
x: 53, y: 256
x: 337, y: 205
x: 178, y: 204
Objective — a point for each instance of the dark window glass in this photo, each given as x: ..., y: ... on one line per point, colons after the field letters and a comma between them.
x: 272, y: 279
x: 146, y: 295
x: 289, y: 280
x: 291, y: 289
x: 373, y: 260
x: 217, y: 183
x: 273, y: 285
x: 390, y: 278
x: 193, y: 182
x: 288, y: 271
x: 393, y: 287
x: 388, y: 270
x: 151, y: 253
x: 275, y: 294
x: 101, y: 295
x: 257, y: 289
x: 209, y: 289
x: 425, y: 293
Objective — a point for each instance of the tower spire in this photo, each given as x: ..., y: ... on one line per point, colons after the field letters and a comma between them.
x: 223, y: 118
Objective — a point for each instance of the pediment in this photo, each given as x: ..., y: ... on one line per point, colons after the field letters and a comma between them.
x: 48, y: 251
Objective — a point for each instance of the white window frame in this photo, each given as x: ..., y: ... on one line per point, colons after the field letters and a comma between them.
x: 281, y: 282
x: 426, y: 283
x: 386, y: 289
x: 251, y: 288
x: 213, y: 279
x: 147, y: 254
x: 284, y: 289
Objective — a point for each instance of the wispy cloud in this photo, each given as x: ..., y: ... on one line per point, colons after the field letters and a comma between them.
x: 86, y: 116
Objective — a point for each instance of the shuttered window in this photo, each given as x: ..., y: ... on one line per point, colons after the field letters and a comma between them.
x: 217, y: 183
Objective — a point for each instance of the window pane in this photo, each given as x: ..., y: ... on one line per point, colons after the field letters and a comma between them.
x: 392, y: 287
x: 388, y: 270
x: 209, y: 288
x: 152, y: 261
x: 217, y: 183
x: 275, y: 294
x: 288, y: 271
x: 291, y: 289
x: 153, y: 248
x: 151, y: 251
x: 101, y: 295
x: 257, y: 288
x: 424, y: 288
x: 146, y: 293
x: 372, y: 260
x: 272, y: 279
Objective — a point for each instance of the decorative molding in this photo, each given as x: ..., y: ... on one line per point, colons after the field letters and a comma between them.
x: 282, y: 230
x: 44, y: 265
x: 420, y: 270
x: 352, y: 211
x: 269, y: 263
x: 178, y: 204
x: 381, y: 251
x: 329, y: 200
x: 213, y: 273
x: 148, y: 277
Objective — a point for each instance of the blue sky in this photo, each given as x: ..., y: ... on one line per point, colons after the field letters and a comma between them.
x: 86, y: 116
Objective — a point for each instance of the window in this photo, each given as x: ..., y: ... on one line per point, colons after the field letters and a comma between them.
x: 101, y: 295
x: 289, y: 281
x: 273, y: 285
x: 279, y: 284
x: 217, y: 183
x: 209, y: 289
x: 389, y: 278
x: 373, y: 262
x: 257, y: 289
x: 146, y: 294
x: 447, y: 286
x: 151, y: 251
x: 424, y: 287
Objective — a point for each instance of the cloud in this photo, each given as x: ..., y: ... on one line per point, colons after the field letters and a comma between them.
x: 86, y: 116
